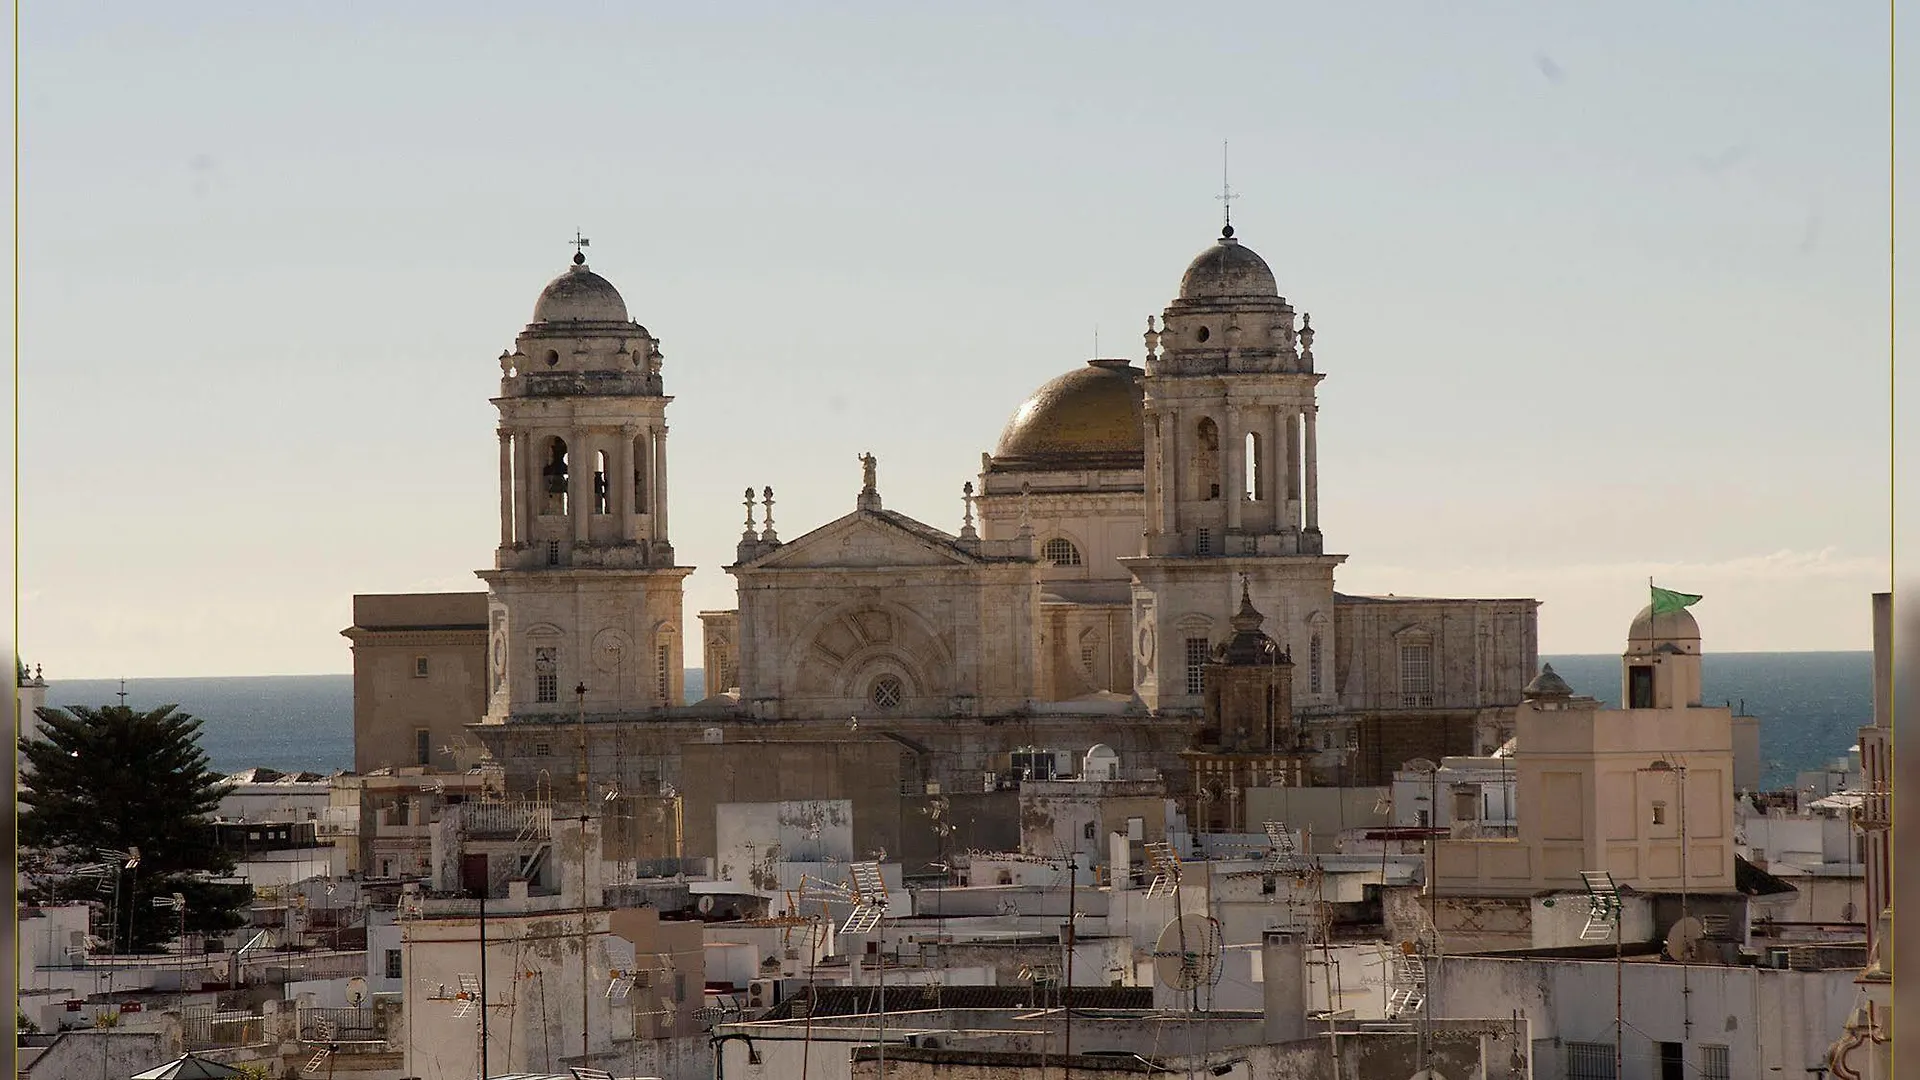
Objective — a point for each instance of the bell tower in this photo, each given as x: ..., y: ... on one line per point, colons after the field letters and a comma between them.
x: 1232, y: 481
x: 585, y: 603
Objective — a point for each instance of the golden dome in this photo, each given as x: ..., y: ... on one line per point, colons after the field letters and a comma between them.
x: 1089, y: 418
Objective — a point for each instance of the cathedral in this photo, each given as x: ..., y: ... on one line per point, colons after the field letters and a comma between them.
x: 1129, y: 513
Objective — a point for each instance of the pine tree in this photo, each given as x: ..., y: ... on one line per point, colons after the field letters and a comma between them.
x: 113, y: 779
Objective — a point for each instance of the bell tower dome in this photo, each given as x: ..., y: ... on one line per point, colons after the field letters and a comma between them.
x: 586, y: 596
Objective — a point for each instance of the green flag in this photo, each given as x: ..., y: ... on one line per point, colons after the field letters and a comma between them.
x: 1666, y: 601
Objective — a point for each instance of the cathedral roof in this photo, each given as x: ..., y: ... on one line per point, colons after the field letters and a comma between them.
x: 1089, y: 418
x: 579, y: 295
x: 1228, y: 270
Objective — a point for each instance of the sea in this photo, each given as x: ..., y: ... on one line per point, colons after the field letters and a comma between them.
x: 1810, y: 705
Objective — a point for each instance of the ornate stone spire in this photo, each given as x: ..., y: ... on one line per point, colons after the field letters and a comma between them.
x: 749, y: 535
x: 767, y: 535
x: 1248, y: 619
x: 966, y: 500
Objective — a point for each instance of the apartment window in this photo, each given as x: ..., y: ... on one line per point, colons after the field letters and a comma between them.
x: 1715, y: 1063
x: 419, y: 667
x: 1590, y: 1061
x: 541, y: 749
x: 1060, y: 552
x: 1197, y: 655
x: 1313, y: 665
x: 393, y: 964
x: 1416, y: 675
x: 1659, y: 813
x: 546, y: 675
x: 422, y: 746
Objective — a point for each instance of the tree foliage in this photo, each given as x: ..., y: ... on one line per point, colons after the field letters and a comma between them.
x: 117, y: 779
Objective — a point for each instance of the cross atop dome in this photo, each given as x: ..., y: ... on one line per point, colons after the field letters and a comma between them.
x: 579, y: 248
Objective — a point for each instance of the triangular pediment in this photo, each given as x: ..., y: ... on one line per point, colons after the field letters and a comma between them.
x: 866, y: 540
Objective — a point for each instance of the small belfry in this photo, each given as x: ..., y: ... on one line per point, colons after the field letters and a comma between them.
x: 584, y: 588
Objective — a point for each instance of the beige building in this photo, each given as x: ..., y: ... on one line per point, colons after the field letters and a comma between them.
x: 1644, y: 792
x: 418, y: 678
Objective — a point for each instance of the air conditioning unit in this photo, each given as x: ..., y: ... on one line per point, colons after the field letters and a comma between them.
x: 762, y: 994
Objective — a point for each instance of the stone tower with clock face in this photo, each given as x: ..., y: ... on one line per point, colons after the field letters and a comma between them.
x: 584, y: 602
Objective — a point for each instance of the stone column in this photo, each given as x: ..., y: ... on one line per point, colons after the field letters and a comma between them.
x: 1277, y: 466
x: 1313, y: 473
x: 625, y: 484
x: 1233, y: 447
x: 1293, y: 469
x: 525, y: 492
x: 660, y: 483
x: 579, y: 484
x: 1151, y: 420
x: 1170, y: 471
x: 506, y: 487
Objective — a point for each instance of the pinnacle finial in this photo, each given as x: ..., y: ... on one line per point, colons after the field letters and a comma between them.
x: 1226, y: 196
x: 967, y: 531
x: 767, y: 535
x: 748, y: 535
x: 579, y: 248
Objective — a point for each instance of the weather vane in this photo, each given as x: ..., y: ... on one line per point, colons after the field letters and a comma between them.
x: 1227, y: 194
x: 579, y: 243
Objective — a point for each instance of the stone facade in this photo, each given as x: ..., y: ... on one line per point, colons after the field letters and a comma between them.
x: 878, y: 614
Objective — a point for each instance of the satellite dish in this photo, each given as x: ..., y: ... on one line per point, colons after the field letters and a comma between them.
x: 1683, y: 941
x: 357, y: 991
x: 1188, y: 953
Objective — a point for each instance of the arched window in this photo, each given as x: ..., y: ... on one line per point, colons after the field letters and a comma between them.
x: 1060, y: 552
x: 554, y: 475
x: 1206, y: 464
x: 601, y: 493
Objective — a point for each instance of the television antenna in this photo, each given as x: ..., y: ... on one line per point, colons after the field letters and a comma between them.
x: 864, y: 889
x: 1164, y: 863
x: 323, y: 1056
x: 1603, y: 914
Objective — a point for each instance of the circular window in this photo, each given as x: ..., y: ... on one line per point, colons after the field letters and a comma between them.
x: 1202, y: 334
x: 887, y: 691
x: 553, y: 357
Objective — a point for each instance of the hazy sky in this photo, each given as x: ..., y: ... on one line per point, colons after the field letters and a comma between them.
x: 1599, y: 293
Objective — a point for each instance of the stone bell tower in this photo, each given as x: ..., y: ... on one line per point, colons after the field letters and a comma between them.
x: 1232, y: 482
x: 585, y: 603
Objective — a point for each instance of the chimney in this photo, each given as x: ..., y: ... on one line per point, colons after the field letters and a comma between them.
x: 1283, y: 978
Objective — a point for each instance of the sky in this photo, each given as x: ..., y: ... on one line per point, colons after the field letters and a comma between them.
x: 1600, y: 292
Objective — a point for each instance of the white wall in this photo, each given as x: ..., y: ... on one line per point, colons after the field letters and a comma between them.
x: 1767, y: 1018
